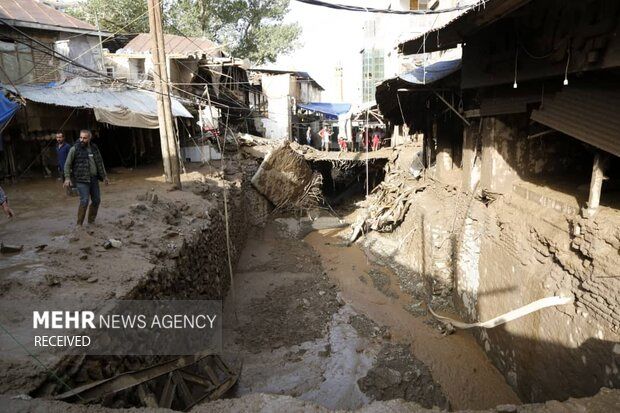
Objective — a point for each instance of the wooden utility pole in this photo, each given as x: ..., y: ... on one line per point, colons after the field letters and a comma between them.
x: 169, y: 152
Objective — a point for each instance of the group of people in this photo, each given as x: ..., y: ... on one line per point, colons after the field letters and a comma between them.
x: 365, y: 139
x: 80, y: 166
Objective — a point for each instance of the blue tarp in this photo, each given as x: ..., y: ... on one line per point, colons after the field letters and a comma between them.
x: 330, y: 110
x: 434, y: 72
x: 447, y: 64
x: 7, y: 110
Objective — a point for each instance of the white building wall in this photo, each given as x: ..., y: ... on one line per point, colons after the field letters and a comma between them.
x: 277, y: 90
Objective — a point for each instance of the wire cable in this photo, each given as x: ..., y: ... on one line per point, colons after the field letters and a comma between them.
x: 346, y: 7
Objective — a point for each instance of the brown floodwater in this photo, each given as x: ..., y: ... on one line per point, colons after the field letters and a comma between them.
x: 457, y: 362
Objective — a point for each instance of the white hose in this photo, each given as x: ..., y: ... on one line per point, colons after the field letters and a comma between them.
x: 509, y: 316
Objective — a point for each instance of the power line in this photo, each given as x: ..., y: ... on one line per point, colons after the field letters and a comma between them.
x: 347, y: 7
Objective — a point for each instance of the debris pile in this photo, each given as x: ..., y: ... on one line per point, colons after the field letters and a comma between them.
x: 387, y: 205
x: 287, y: 180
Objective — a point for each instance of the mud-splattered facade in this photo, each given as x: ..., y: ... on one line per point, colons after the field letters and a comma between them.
x: 534, y: 137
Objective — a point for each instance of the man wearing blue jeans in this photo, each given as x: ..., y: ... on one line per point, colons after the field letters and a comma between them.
x: 85, y: 166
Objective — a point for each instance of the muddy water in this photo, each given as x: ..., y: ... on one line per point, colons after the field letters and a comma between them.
x: 457, y: 363
x: 293, y: 319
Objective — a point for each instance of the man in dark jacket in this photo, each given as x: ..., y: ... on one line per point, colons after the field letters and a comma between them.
x: 85, y: 165
x: 62, y: 151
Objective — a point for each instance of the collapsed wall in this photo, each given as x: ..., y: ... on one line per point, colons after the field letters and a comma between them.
x: 190, y: 263
x: 491, y: 244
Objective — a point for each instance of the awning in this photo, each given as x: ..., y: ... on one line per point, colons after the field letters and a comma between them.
x: 7, y: 110
x: 588, y: 113
x: 330, y: 110
x: 120, y: 106
x: 465, y: 23
x: 447, y: 64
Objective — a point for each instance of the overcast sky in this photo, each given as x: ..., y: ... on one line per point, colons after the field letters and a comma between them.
x: 334, y: 37
x: 329, y: 38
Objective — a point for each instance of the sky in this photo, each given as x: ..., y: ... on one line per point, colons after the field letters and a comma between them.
x: 329, y: 38
x: 335, y: 37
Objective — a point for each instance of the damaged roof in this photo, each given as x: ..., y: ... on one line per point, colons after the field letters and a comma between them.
x: 175, y: 45
x: 465, y: 23
x: 35, y: 15
x: 117, y: 105
x: 299, y: 75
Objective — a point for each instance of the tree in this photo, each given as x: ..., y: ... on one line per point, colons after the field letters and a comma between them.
x: 252, y: 29
x: 122, y: 16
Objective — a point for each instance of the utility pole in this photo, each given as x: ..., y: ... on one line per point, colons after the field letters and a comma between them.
x: 169, y: 152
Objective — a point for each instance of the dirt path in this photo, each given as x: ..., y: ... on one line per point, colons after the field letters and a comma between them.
x: 457, y: 363
x: 297, y: 337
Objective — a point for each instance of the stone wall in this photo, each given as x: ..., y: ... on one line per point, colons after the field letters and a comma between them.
x: 526, y: 242
x: 524, y: 246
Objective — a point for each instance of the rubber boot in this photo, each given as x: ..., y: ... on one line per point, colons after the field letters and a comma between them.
x: 92, y: 213
x: 81, y: 214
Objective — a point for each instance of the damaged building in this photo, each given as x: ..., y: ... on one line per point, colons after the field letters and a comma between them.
x: 54, y: 67
x: 524, y: 127
x: 470, y: 264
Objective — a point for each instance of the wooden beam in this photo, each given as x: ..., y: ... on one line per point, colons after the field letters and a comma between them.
x: 596, y: 183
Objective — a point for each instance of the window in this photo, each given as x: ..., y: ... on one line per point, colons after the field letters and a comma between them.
x: 109, y: 70
x: 372, y: 72
x: 418, y: 4
x: 17, y: 61
x: 137, y: 69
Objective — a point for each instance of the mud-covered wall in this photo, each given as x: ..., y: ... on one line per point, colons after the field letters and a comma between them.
x: 515, y: 250
x: 510, y: 256
x: 196, y: 266
x: 191, y: 265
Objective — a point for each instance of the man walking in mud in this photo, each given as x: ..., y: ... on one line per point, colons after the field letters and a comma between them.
x: 85, y: 166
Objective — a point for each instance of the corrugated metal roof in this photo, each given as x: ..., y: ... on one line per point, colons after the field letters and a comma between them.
x: 298, y: 74
x: 449, y: 34
x: 587, y: 113
x: 507, y: 100
x: 87, y: 93
x: 178, y: 45
x: 26, y: 13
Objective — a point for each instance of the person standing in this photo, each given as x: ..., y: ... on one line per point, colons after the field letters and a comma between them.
x: 62, y: 150
x: 4, y: 203
x: 309, y: 136
x: 325, y: 135
x: 359, y: 137
x: 376, y: 140
x: 85, y: 165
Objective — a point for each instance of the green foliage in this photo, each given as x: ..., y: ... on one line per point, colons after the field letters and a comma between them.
x: 123, y: 16
x: 251, y: 29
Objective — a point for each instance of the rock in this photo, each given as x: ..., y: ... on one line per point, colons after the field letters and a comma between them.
x: 52, y: 280
x: 83, y: 257
x: 92, y: 280
x: 112, y: 243
x: 387, y: 377
x: 506, y: 408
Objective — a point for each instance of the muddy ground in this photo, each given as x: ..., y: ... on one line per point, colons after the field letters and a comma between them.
x: 296, y: 335
x: 314, y: 320
x: 315, y: 323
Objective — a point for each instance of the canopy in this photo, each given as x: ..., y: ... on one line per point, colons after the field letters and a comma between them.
x: 115, y: 105
x: 7, y: 110
x: 330, y: 110
x: 440, y: 68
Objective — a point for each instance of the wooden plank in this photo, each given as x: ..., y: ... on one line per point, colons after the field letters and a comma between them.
x: 168, y: 394
x: 184, y: 392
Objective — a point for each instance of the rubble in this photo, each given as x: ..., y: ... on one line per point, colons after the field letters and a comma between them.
x: 287, y: 180
x: 387, y: 206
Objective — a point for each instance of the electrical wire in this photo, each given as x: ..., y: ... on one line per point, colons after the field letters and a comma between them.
x: 346, y: 7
